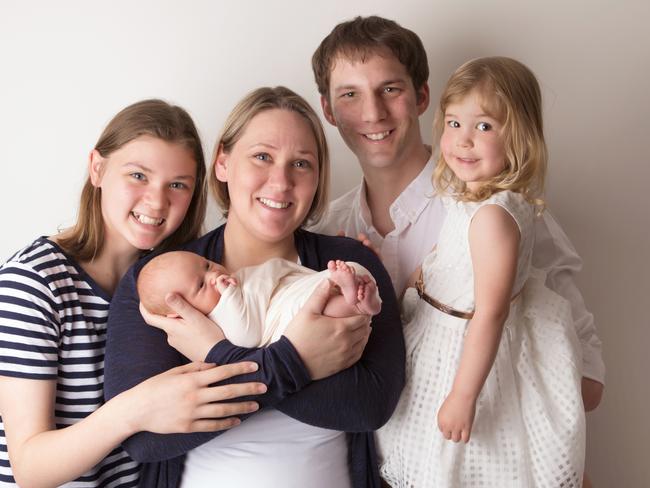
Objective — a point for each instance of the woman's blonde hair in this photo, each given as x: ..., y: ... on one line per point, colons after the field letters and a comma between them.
x: 156, y: 118
x: 259, y: 100
x: 510, y: 93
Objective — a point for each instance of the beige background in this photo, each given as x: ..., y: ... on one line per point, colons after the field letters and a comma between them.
x: 66, y: 67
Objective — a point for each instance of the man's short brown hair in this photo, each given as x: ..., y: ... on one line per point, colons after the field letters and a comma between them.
x: 362, y: 37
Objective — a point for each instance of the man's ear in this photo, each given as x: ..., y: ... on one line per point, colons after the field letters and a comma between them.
x: 221, y: 165
x: 95, y: 167
x: 327, y: 110
x: 422, y: 98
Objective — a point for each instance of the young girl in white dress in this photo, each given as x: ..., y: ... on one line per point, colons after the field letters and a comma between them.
x: 492, y: 397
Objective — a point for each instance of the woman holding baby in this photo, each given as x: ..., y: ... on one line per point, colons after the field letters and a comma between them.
x: 330, y: 381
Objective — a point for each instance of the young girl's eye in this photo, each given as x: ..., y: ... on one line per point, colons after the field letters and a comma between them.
x: 483, y: 126
x: 177, y: 185
x: 137, y: 176
x: 453, y: 124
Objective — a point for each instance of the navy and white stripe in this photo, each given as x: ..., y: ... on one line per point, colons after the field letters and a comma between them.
x: 53, y: 327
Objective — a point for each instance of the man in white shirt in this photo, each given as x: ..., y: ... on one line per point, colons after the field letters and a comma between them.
x: 372, y: 76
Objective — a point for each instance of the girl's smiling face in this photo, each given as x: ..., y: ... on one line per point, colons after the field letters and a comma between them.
x: 472, y: 142
x: 146, y: 189
x: 272, y: 175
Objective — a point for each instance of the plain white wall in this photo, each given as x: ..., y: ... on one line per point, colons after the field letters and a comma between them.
x: 66, y: 67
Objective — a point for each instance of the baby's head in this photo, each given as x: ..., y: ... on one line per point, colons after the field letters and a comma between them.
x: 509, y: 97
x: 188, y: 274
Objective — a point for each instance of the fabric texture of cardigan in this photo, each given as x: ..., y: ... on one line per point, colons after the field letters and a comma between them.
x: 357, y: 401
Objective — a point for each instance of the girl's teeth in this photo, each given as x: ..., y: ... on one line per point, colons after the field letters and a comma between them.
x: 274, y: 204
x: 147, y: 220
x: 378, y: 136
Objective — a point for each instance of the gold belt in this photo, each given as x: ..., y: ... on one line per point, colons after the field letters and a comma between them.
x: 419, y: 285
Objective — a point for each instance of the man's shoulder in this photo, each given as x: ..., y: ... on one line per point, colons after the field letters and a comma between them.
x: 345, y: 200
x: 340, y: 212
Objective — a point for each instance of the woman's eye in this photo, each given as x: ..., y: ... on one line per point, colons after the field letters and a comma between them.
x: 453, y: 124
x: 483, y: 126
x: 302, y: 163
x: 178, y: 186
x: 137, y: 176
x: 262, y: 156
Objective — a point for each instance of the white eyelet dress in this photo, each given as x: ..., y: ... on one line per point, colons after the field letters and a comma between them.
x: 529, y: 428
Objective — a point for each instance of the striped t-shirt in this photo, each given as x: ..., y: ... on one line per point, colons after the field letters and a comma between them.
x: 53, y: 327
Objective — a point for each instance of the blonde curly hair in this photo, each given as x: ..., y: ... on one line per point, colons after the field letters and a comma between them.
x: 510, y: 93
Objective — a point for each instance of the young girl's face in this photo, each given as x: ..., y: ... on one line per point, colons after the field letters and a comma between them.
x: 146, y: 189
x: 472, y: 142
x: 272, y: 175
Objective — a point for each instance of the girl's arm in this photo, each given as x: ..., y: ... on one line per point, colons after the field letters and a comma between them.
x: 178, y: 400
x: 494, y: 243
x: 42, y: 456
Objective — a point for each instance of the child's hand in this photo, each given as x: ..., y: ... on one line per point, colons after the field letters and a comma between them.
x: 456, y: 416
x: 223, y: 281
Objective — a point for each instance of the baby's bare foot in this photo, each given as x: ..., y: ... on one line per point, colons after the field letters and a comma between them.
x: 369, y: 303
x: 358, y: 291
x: 346, y: 279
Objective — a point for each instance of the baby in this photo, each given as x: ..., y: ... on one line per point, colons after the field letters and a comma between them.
x: 254, y: 305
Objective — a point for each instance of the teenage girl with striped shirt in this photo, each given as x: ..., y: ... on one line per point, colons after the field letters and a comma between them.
x: 145, y: 190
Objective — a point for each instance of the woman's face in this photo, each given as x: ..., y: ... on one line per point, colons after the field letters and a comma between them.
x: 272, y: 176
x: 147, y: 187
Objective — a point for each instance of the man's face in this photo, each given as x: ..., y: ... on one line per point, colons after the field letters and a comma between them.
x: 376, y: 109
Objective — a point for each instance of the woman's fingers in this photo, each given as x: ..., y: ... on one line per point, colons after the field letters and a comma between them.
x: 315, y: 304
x: 159, y: 321
x: 178, y: 304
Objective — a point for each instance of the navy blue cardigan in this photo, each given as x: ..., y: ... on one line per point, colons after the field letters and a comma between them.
x: 357, y: 400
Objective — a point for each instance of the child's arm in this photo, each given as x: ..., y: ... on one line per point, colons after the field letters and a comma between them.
x: 43, y: 456
x: 494, y: 241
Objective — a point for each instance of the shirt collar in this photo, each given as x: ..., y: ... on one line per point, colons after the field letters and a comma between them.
x: 362, y: 203
x: 414, y: 199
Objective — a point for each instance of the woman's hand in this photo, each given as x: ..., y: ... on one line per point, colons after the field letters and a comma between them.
x: 192, y: 333
x: 181, y: 400
x: 327, y: 345
x: 456, y: 416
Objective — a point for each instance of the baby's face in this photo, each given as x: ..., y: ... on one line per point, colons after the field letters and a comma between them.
x: 194, y: 278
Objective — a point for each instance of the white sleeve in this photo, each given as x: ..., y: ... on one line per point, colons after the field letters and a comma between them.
x: 555, y: 254
x: 238, y: 318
